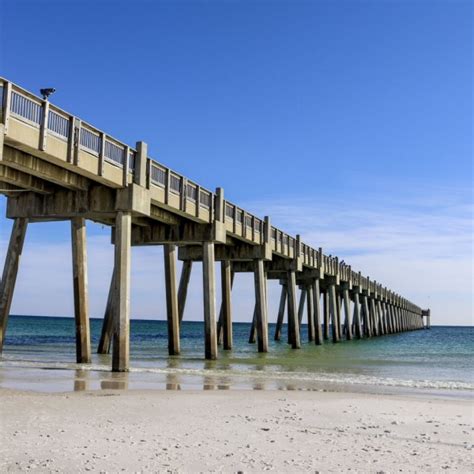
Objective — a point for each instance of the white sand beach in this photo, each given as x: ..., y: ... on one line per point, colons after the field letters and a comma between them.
x: 233, y: 431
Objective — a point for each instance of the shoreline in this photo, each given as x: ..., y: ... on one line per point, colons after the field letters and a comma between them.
x: 233, y: 430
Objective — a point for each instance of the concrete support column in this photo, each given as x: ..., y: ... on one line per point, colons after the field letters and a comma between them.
x: 301, y: 305
x: 226, y: 306
x: 281, y: 312
x: 310, y: 312
x: 326, y: 314
x: 209, y: 290
x: 373, y: 317
x: 121, y: 340
x: 183, y: 287
x: 347, y: 317
x: 81, y: 296
x: 381, y: 317
x: 293, y: 326
x: 333, y: 308
x: 318, y: 335
x: 10, y: 271
x: 366, y: 316
x: 105, y: 342
x: 172, y: 313
x: 261, y: 306
x: 356, y: 316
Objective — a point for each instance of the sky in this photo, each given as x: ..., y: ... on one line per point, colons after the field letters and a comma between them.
x: 348, y: 122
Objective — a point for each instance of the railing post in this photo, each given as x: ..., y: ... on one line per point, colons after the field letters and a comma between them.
x: 100, y: 168
x: 139, y: 176
x: 7, y: 99
x: 44, y: 126
x: 126, y: 166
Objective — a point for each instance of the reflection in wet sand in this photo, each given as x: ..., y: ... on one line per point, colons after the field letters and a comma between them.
x: 81, y: 380
x: 115, y: 381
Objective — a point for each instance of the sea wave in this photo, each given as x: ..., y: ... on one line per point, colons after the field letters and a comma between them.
x: 260, y: 375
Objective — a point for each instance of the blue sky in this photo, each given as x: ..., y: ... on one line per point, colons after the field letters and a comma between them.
x: 349, y: 122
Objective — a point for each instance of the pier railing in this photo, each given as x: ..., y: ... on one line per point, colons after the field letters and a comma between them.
x: 62, y: 134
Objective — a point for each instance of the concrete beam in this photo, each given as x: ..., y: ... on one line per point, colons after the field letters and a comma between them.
x: 24, y: 181
x: 30, y: 164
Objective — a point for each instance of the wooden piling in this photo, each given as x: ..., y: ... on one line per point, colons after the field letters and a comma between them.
x: 226, y: 306
x: 10, y: 271
x: 261, y: 306
x: 81, y: 297
x: 281, y: 312
x: 121, y: 340
x: 209, y: 290
x: 172, y: 314
x: 293, y: 323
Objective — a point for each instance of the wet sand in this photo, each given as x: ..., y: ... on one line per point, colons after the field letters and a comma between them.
x: 231, y: 431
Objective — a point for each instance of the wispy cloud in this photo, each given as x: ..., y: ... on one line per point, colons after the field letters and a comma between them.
x: 419, y: 245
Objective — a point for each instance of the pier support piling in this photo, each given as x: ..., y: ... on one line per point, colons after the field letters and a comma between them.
x: 121, y: 340
x: 261, y: 306
x: 81, y: 297
x: 293, y: 322
x: 225, y: 316
x: 209, y: 290
x: 172, y: 312
x: 10, y: 271
x: 281, y: 312
x: 183, y: 286
x: 347, y: 316
x: 105, y: 342
x: 318, y: 335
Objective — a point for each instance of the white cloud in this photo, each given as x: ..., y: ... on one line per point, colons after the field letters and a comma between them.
x: 420, y: 246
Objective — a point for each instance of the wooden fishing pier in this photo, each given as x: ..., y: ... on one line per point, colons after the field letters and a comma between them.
x: 55, y: 166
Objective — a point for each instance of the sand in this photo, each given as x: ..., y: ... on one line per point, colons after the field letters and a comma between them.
x: 232, y: 431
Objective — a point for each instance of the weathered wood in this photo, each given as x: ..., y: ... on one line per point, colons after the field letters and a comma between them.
x: 226, y: 306
x: 172, y: 314
x: 347, y: 316
x: 183, y: 287
x: 293, y: 322
x: 326, y: 314
x: 281, y: 312
x: 318, y: 335
x: 261, y: 305
x: 80, y: 285
x: 10, y: 271
x: 105, y: 342
x: 209, y: 290
x: 356, y: 317
x: 121, y: 340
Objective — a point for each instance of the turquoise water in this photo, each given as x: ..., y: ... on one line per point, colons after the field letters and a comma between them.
x: 39, y: 353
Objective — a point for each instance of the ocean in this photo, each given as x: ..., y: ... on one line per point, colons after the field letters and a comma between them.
x: 39, y: 354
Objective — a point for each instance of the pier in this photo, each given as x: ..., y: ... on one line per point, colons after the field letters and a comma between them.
x: 54, y: 166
